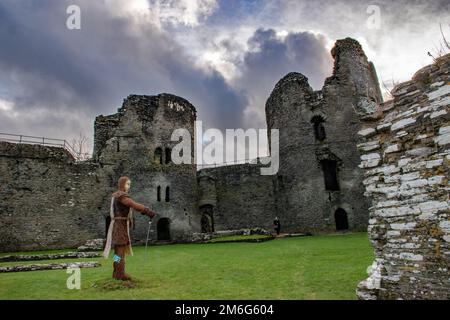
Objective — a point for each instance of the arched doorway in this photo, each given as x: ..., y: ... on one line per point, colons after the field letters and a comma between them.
x: 207, y: 220
x: 206, y: 223
x: 163, y: 229
x: 341, y: 219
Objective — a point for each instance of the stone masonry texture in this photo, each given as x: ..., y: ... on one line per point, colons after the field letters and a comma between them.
x: 406, y: 156
x: 302, y: 200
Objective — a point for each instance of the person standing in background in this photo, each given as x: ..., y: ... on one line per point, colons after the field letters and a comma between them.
x: 277, y: 225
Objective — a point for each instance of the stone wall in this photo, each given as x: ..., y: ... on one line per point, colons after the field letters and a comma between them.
x: 406, y: 159
x: 51, y: 201
x: 241, y: 196
x: 318, y: 142
x: 48, y: 200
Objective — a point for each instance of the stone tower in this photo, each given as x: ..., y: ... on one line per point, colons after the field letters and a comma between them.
x: 318, y: 187
x: 136, y: 141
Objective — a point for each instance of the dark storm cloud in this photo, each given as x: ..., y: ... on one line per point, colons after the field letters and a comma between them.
x: 58, y: 80
x: 303, y: 52
x: 50, y: 70
x: 272, y: 57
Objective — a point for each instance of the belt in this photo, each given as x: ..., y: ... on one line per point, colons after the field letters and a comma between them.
x: 128, y: 219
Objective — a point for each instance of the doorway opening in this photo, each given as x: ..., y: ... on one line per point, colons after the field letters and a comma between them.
x: 341, y: 219
x: 163, y: 229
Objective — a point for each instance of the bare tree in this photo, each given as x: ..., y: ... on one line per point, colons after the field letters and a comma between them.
x: 389, y: 88
x: 80, y: 146
x: 443, y: 48
x: 444, y: 40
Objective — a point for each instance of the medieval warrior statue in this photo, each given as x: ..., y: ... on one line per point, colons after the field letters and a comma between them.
x: 119, y: 229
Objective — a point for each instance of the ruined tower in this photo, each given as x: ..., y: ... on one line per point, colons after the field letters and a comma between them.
x: 318, y: 187
x: 136, y: 141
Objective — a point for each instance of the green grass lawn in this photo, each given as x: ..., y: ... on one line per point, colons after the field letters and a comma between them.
x: 318, y: 267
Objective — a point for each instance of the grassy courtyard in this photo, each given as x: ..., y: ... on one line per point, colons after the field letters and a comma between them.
x: 318, y: 267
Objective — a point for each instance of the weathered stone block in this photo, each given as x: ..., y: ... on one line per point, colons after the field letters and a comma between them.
x: 411, y: 231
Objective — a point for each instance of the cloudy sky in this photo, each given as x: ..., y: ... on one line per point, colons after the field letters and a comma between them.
x: 224, y: 56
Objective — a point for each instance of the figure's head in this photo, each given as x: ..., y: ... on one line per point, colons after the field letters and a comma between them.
x: 124, y: 184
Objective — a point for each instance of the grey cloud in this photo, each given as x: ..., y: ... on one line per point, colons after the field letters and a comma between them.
x: 58, y: 71
x: 72, y: 76
x: 271, y: 58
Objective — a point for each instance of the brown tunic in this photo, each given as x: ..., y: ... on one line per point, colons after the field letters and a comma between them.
x: 121, y: 207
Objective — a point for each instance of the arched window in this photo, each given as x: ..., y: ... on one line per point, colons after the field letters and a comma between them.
x: 319, y: 129
x: 167, y: 194
x: 158, y: 193
x: 168, y: 155
x: 329, y: 168
x: 158, y: 155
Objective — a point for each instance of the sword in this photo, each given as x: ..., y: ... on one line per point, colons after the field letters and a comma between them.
x: 148, y: 234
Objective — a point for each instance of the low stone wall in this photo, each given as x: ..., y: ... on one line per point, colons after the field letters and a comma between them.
x: 406, y: 159
x: 51, y: 266
x: 52, y: 256
x: 92, y: 245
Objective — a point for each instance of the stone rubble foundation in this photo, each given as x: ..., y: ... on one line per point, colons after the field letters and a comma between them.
x: 52, y: 266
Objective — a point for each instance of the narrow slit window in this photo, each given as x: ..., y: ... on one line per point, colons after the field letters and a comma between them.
x: 329, y: 168
x: 158, y: 193
x: 158, y: 155
x: 319, y: 129
x: 167, y: 194
x: 168, y: 155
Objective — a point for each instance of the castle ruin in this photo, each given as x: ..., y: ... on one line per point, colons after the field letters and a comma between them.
x: 347, y: 161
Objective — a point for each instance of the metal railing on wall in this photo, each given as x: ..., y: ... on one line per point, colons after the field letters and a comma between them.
x: 228, y: 163
x: 20, y: 138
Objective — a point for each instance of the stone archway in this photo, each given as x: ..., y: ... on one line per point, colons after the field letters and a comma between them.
x: 163, y: 229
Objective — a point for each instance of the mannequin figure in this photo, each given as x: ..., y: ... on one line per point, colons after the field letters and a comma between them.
x: 119, y: 228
